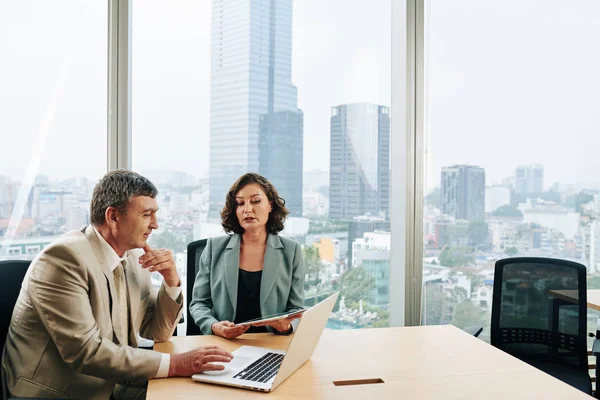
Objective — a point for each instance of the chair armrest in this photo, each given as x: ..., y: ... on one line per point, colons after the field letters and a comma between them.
x: 476, y: 331
x: 596, y: 347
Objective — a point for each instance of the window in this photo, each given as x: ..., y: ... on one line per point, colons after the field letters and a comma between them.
x: 14, y: 251
x: 32, y: 250
x: 214, y: 97
x: 512, y: 122
x: 53, y: 117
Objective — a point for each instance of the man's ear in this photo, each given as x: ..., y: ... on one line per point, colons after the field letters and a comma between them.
x: 111, y: 216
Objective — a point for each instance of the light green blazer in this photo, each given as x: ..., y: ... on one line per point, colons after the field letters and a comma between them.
x: 216, y: 286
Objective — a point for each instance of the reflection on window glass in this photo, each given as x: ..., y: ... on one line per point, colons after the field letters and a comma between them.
x: 52, y: 119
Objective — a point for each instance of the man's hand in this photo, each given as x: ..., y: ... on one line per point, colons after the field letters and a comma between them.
x: 198, y: 360
x: 161, y: 260
x: 228, y: 330
x: 281, y: 325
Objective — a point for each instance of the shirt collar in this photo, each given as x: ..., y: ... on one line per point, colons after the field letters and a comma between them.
x: 110, y: 255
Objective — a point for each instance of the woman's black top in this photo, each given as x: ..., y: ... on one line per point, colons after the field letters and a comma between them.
x: 248, y: 299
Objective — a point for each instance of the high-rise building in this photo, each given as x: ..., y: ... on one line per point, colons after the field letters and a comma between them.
x: 280, y: 156
x: 529, y: 179
x: 463, y: 192
x: 251, y: 80
x: 359, y: 173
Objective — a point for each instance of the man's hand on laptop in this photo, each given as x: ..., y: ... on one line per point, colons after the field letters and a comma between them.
x: 281, y: 325
x: 198, y: 360
x: 228, y: 329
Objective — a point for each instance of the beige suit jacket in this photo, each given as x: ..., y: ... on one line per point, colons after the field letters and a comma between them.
x: 61, y: 343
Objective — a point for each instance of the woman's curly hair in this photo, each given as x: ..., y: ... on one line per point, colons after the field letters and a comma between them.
x: 278, y: 213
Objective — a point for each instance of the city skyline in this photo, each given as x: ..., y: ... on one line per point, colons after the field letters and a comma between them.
x: 320, y: 176
x: 171, y: 91
x: 510, y: 87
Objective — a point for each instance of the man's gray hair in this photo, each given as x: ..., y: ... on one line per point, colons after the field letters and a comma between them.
x: 116, y: 189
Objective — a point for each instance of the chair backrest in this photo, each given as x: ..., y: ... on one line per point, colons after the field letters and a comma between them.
x: 11, y: 276
x: 194, y: 251
x: 528, y: 321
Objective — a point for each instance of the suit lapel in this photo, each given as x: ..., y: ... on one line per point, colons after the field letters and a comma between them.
x: 95, y: 245
x: 271, y: 266
x: 232, y: 267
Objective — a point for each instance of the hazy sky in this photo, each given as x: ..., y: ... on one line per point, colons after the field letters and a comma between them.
x: 515, y: 82
x: 341, y: 53
x: 510, y: 82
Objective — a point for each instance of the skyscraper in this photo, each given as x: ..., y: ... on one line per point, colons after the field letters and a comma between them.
x: 253, y: 100
x: 359, y: 174
x: 529, y: 179
x: 463, y: 192
x: 280, y: 155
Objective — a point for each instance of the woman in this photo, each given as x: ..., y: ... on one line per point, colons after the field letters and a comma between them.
x: 253, y: 272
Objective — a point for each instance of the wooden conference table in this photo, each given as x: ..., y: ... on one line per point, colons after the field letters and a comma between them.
x: 593, y: 297
x: 429, y: 362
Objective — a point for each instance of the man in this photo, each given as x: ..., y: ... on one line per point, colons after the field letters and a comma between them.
x: 74, y: 328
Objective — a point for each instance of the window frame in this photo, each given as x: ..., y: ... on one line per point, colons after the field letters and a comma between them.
x: 406, y: 142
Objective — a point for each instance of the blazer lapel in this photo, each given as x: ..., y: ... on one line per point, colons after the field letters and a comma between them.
x: 112, y: 291
x: 273, y: 259
x: 232, y: 267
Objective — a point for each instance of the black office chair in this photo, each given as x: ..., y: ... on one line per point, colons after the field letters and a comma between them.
x: 11, y: 275
x: 194, y: 251
x: 536, y: 327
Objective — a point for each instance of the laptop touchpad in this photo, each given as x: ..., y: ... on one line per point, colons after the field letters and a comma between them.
x: 235, y: 364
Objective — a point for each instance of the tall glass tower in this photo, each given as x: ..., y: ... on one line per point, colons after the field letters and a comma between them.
x: 359, y: 175
x: 254, y: 105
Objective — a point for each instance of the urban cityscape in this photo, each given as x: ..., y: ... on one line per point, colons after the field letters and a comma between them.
x: 339, y: 215
x: 467, y: 227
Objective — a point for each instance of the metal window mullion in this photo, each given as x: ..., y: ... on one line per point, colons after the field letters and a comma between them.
x: 410, y: 157
x: 119, y: 84
x: 399, y: 158
x: 419, y: 163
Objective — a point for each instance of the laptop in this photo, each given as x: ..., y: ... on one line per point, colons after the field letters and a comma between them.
x: 262, y: 369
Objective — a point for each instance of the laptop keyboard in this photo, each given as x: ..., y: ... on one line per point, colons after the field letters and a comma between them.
x: 262, y: 369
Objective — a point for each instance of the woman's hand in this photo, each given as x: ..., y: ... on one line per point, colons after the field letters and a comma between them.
x: 228, y: 329
x: 280, y: 325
